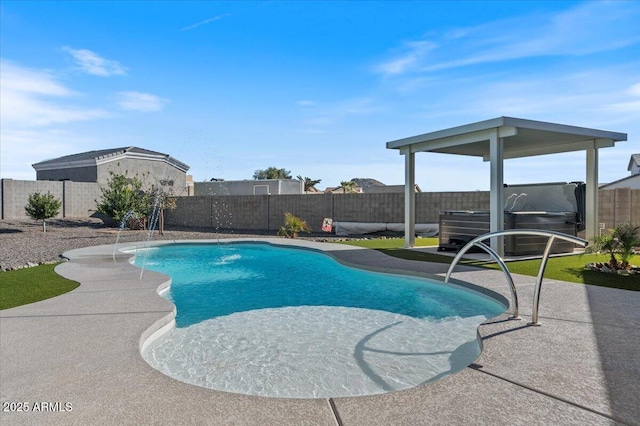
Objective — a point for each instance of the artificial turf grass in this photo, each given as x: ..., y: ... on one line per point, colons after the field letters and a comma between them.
x: 29, y: 285
x: 390, y: 243
x: 560, y: 268
x: 571, y: 269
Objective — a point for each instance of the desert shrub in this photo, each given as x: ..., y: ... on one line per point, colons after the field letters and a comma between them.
x: 618, y: 243
x: 121, y: 196
x: 292, y: 226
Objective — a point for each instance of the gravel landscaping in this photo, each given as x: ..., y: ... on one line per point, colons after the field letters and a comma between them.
x: 23, y: 244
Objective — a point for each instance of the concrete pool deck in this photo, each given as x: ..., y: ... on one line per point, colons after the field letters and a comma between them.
x: 80, y: 351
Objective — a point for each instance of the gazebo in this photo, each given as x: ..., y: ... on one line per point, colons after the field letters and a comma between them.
x: 502, y: 138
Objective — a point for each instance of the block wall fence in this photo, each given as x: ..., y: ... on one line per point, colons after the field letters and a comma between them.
x: 266, y: 212
x: 78, y: 198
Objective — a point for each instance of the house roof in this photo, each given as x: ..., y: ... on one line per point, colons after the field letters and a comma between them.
x: 366, y: 183
x: 628, y: 180
x: 106, y: 155
x: 635, y: 159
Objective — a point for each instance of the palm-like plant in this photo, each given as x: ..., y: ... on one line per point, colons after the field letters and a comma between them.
x: 309, y: 184
x: 348, y: 186
x: 604, y: 244
x: 292, y: 226
x: 620, y: 242
x: 628, y: 238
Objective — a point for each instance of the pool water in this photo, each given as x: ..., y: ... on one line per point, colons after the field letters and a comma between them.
x: 257, y: 319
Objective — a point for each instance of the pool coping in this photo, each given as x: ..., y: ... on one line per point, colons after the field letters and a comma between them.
x: 82, y: 348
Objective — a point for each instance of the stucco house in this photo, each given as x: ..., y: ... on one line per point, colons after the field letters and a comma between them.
x: 250, y: 187
x: 153, y: 168
x: 634, y: 164
x: 632, y: 181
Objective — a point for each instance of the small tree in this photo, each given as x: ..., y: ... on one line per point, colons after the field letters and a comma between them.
x: 159, y: 199
x: 42, y: 207
x: 292, y: 226
x: 271, y: 173
x: 122, y: 195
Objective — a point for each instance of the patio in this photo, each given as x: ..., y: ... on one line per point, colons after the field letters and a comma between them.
x: 581, y: 366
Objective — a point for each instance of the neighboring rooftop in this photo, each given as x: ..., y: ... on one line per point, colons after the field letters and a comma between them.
x: 105, y: 155
x: 366, y: 183
x: 634, y: 164
x: 632, y: 182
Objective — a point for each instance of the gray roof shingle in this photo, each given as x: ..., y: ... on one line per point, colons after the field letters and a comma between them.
x: 104, y: 153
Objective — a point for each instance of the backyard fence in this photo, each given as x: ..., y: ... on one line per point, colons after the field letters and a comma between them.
x: 78, y: 198
x: 266, y: 212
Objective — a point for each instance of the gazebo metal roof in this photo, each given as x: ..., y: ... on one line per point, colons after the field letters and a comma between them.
x: 501, y: 138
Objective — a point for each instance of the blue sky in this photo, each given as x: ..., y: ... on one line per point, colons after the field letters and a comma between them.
x: 317, y: 88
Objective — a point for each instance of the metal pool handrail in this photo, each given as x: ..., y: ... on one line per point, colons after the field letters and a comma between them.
x: 477, y: 242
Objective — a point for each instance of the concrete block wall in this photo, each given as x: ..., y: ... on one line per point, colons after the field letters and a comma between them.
x: 267, y: 212
x: 264, y: 212
x: 15, y: 195
x: 80, y: 198
x: 616, y: 206
x: 194, y: 212
x: 311, y: 208
x: 243, y: 212
x: 430, y: 204
x: 383, y: 207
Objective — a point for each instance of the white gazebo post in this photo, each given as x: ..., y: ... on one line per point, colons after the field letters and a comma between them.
x: 591, y: 196
x: 409, y: 197
x: 496, y: 197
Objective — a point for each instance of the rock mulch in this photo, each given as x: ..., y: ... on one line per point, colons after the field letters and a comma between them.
x: 23, y: 244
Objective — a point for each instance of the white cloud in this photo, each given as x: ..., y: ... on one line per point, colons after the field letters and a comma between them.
x: 634, y: 90
x: 136, y: 101
x: 587, y: 28
x: 305, y: 102
x: 340, y: 110
x: 22, y: 148
x: 204, y: 22
x: 32, y: 103
x: 20, y: 79
x: 600, y: 97
x: 35, y: 98
x: 415, y: 51
x: 91, y: 63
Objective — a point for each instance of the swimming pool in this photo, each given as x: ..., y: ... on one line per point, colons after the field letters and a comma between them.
x: 258, y: 319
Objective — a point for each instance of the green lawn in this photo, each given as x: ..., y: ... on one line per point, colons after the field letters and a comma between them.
x: 31, y: 285
x: 571, y: 269
x: 562, y: 268
x: 391, y: 243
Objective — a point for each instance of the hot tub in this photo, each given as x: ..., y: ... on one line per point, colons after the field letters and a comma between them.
x: 459, y: 227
